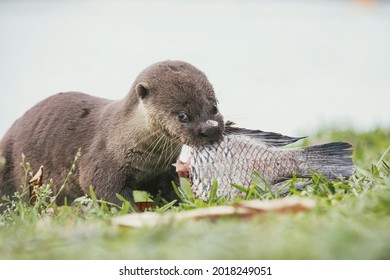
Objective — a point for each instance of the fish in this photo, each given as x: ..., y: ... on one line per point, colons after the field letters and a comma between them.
x: 241, y: 152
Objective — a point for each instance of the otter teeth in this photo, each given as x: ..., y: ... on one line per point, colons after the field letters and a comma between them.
x: 212, y: 123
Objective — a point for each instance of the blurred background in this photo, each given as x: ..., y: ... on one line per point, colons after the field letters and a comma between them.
x: 292, y: 67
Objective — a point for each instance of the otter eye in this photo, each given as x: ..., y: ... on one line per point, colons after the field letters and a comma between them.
x: 182, y: 117
x: 215, y: 110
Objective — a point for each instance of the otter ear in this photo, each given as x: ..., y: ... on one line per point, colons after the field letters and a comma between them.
x: 142, y: 90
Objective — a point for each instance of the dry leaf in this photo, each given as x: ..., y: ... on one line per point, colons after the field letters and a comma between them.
x: 245, y: 209
x: 144, y: 205
x: 213, y: 213
x: 137, y: 220
x: 35, y: 183
x: 285, y: 205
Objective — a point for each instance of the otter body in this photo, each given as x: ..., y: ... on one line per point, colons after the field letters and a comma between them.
x: 126, y: 145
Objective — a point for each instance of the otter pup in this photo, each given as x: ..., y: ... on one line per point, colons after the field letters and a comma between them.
x: 126, y: 145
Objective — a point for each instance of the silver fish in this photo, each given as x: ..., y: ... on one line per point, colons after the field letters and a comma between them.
x: 234, y: 158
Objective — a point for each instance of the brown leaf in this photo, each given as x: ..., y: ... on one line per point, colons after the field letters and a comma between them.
x: 245, y: 209
x: 35, y: 183
x: 144, y: 205
x: 285, y: 205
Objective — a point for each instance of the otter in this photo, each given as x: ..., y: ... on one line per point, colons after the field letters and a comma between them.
x: 125, y: 145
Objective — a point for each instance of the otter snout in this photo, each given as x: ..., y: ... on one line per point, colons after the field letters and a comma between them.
x: 210, y: 130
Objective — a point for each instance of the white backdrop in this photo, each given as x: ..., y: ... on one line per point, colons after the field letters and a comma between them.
x: 287, y: 66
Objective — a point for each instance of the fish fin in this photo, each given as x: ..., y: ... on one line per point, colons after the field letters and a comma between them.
x: 268, y: 138
x: 334, y: 160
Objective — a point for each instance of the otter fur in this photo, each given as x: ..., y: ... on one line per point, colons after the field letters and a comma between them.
x: 125, y: 145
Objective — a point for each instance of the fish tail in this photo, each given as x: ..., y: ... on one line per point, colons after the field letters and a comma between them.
x: 334, y: 160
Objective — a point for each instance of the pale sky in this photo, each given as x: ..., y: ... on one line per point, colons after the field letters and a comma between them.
x: 287, y: 66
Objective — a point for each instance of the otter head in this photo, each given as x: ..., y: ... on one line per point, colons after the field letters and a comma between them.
x: 179, y: 101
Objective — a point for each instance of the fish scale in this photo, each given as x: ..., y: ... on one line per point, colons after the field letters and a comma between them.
x: 234, y: 158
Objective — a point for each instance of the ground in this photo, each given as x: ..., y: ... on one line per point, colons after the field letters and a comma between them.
x: 351, y: 220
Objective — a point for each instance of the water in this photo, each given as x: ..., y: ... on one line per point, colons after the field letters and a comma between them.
x: 287, y: 66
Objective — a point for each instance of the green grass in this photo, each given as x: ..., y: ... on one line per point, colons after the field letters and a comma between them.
x: 351, y: 221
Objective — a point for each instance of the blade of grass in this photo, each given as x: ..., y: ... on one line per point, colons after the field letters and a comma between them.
x: 213, y: 192
x: 383, y: 157
x: 127, y: 205
x: 259, y: 179
x: 241, y: 188
x: 177, y: 192
x: 186, y: 188
x: 166, y: 206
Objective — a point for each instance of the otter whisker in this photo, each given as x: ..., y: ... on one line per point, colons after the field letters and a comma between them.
x: 163, y: 144
x: 174, y: 154
x: 155, y: 147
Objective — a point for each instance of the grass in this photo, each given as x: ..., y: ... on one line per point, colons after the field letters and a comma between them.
x: 351, y: 221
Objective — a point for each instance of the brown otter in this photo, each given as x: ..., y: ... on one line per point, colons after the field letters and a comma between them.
x: 125, y: 145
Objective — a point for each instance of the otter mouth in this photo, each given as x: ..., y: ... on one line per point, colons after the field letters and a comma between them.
x: 200, y: 141
x: 192, y: 140
x: 208, y: 132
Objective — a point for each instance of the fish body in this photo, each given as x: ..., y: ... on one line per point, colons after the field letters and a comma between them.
x: 237, y: 155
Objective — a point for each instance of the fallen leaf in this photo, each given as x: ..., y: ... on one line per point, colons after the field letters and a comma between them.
x: 245, y: 209
x: 137, y: 220
x: 35, y: 183
x: 144, y: 205
x: 286, y: 205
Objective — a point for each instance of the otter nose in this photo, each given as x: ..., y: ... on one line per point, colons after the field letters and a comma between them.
x: 210, y: 130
